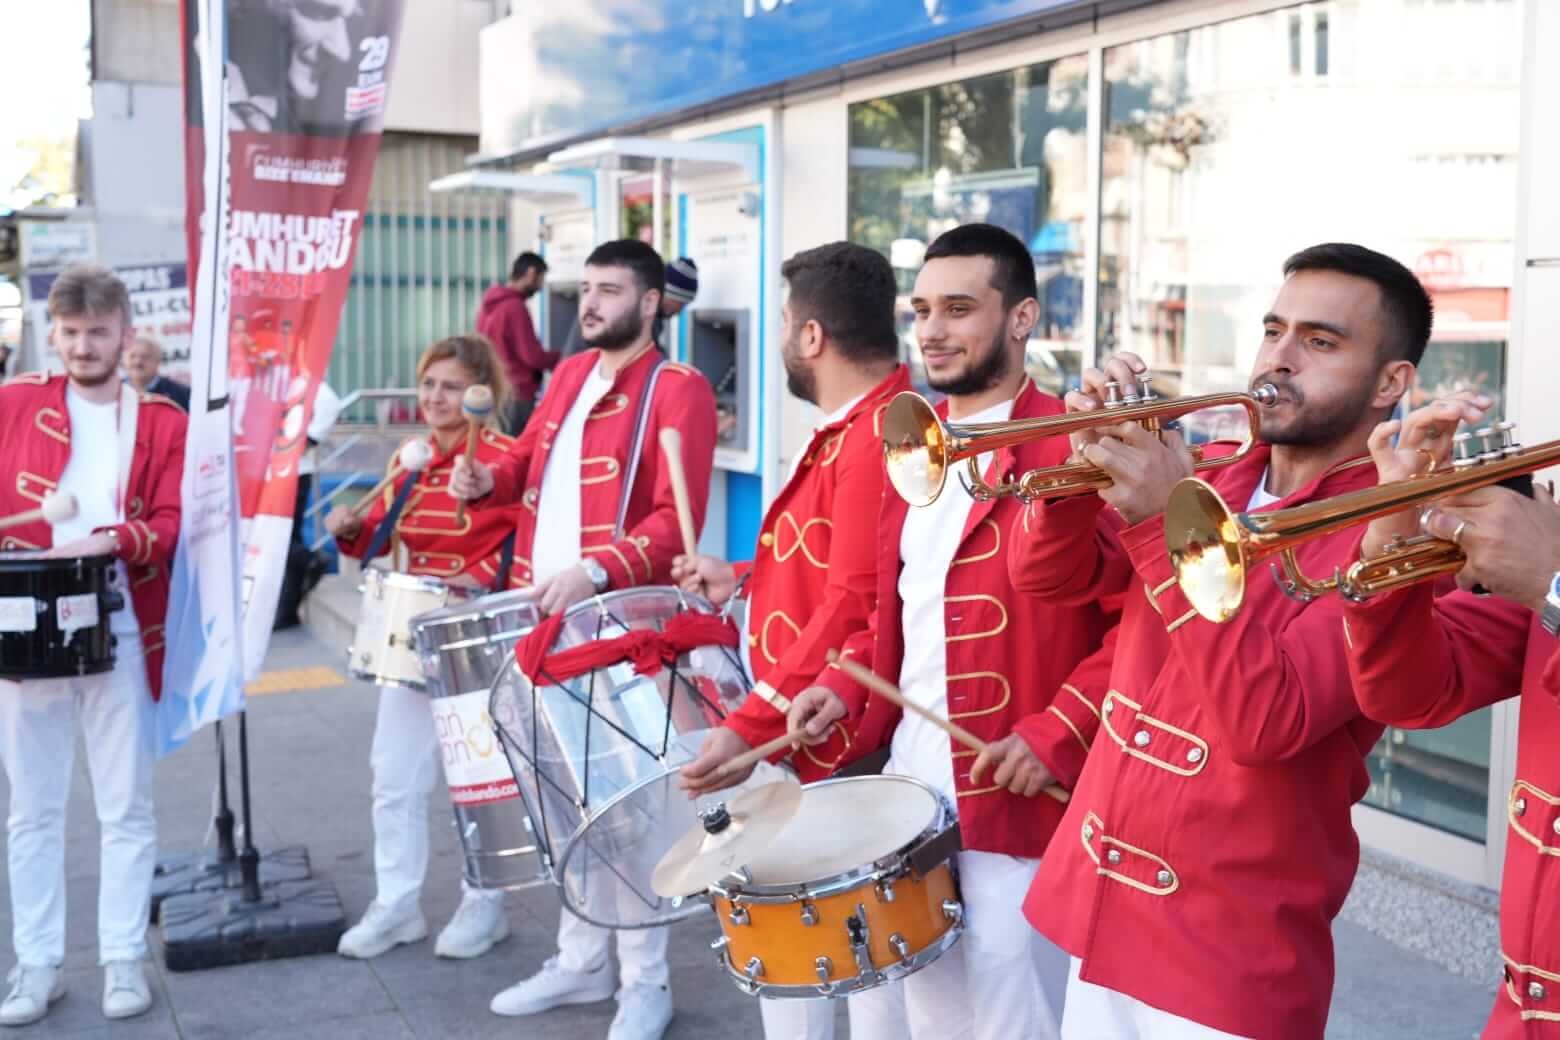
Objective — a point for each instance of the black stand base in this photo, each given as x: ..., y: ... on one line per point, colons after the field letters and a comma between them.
x: 211, y: 929
x: 206, y: 872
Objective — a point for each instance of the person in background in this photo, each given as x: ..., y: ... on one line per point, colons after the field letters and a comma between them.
x: 305, y: 567
x: 505, y: 319
x: 142, y: 361
x: 682, y: 285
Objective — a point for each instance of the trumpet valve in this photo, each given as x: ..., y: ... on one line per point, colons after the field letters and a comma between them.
x: 1489, y: 450
x: 1113, y: 395
x: 1508, y: 437
x: 1462, y: 450
x: 1146, y: 392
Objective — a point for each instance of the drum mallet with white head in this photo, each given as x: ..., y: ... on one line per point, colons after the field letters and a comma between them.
x: 413, y: 457
x: 56, y: 509
x: 671, y: 445
x: 476, y: 404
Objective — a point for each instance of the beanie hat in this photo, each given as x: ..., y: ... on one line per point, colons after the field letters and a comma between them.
x: 682, y: 280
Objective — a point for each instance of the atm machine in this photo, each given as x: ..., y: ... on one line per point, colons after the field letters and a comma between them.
x: 715, y: 188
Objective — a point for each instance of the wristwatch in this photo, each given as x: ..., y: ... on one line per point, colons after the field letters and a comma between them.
x: 1549, y: 617
x: 595, y: 572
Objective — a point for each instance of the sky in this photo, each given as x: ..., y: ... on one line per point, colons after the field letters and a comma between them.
x: 43, y: 77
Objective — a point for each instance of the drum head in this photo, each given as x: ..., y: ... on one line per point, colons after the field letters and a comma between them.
x: 846, y: 824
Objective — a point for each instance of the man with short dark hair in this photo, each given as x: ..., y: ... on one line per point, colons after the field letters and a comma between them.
x: 505, y: 319
x: 949, y: 630
x: 1211, y: 824
x: 571, y: 469
x: 120, y: 453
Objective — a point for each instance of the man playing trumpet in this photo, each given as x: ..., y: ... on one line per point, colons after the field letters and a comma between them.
x: 1212, y: 820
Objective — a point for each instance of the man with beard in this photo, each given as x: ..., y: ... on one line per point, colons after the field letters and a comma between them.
x: 1212, y: 821
x: 505, y: 320
x: 120, y: 452
x: 811, y: 585
x: 572, y: 472
x: 951, y: 633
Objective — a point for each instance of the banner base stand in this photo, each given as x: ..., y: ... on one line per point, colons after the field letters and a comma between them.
x: 205, y: 871
x: 213, y: 929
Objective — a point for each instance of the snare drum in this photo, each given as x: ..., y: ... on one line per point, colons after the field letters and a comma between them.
x: 858, y: 889
x: 597, y: 756
x: 54, y: 615
x: 382, y: 650
x: 463, y: 648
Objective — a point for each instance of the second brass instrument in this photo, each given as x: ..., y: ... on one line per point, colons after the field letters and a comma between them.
x: 1213, y: 548
x: 919, y: 449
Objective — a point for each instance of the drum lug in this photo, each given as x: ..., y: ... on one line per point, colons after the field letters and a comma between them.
x: 738, y: 916
x: 953, y: 910
x: 825, y: 969
x: 718, y: 947
x: 809, y: 915
x: 885, y: 891
x: 861, y: 942
x: 897, y: 943
x: 754, y: 969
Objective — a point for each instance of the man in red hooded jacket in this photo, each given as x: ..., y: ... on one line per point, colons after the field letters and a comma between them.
x: 505, y: 319
x: 120, y: 453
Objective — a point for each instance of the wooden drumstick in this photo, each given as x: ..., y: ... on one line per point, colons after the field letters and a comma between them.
x: 888, y: 691
x: 476, y: 404
x: 671, y: 444
x: 756, y: 755
x: 413, y: 457
x: 56, y: 509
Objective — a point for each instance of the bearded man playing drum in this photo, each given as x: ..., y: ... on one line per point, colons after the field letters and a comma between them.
x: 598, y: 512
x: 467, y: 551
x: 120, y: 452
x: 952, y: 634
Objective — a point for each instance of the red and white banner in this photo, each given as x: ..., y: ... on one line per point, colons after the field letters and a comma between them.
x: 305, y: 89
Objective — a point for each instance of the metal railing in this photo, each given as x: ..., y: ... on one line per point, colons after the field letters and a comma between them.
x: 354, y: 436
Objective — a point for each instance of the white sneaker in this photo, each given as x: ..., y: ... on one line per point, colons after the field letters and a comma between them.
x: 643, y: 1013
x: 382, y: 929
x: 125, y: 992
x: 553, y: 987
x: 479, y: 925
x: 33, y: 989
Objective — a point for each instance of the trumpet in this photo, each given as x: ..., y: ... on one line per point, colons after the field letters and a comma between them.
x: 919, y: 448
x: 1213, y: 548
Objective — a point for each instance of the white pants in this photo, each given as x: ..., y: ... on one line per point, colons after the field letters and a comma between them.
x: 582, y: 946
x: 405, y: 764
x: 1001, y: 980
x: 809, y: 1019
x: 1097, y: 1013
x: 37, y: 745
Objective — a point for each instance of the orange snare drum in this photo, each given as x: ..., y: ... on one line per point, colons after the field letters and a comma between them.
x: 858, y: 889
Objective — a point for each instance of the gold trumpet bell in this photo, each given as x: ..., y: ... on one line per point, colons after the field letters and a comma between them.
x: 1206, y: 549
x: 915, y: 451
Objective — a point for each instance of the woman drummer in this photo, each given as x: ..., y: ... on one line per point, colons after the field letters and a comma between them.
x: 473, y: 551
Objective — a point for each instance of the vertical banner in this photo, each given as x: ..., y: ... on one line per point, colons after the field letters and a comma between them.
x: 306, y: 85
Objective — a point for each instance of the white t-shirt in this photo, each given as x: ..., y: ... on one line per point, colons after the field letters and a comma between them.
x: 557, y: 544
x: 927, y: 546
x: 1260, y: 499
x: 92, y: 475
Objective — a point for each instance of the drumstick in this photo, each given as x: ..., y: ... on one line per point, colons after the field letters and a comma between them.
x: 756, y: 755
x: 476, y: 404
x: 671, y: 444
x: 56, y: 509
x: 413, y: 457
x: 888, y: 691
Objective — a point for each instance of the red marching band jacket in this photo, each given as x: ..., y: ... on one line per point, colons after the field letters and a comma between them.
x: 35, y: 429
x: 1212, y: 821
x: 436, y: 545
x: 1010, y: 657
x: 651, y: 539
x: 811, y: 584
x: 1420, y: 661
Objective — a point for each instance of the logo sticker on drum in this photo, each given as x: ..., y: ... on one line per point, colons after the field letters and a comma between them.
x: 75, y: 612
x: 18, y: 614
x: 475, y: 766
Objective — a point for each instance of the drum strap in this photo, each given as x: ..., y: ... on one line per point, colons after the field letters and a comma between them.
x: 506, y: 562
x: 387, y: 525
x: 641, y: 421
x: 129, y: 416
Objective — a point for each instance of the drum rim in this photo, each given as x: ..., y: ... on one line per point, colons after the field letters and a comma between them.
x: 37, y: 562
x: 686, y: 599
x: 733, y: 888
x: 466, y: 610
x: 410, y: 582
x: 379, y: 680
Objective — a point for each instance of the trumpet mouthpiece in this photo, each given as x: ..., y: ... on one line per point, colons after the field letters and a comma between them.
x: 1266, y: 395
x: 415, y: 456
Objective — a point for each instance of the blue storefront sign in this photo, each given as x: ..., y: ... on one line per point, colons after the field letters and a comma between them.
x: 566, y: 70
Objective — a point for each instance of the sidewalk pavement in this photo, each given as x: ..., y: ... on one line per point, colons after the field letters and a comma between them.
x: 310, y: 777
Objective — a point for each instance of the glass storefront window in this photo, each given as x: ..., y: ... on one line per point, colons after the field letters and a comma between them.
x: 1227, y: 148
x: 1008, y: 149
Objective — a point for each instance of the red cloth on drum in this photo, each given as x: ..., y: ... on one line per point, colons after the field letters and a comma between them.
x: 652, y: 537
x: 1009, y: 656
x: 35, y: 428
x: 436, y: 545
x: 1422, y: 661
x: 646, y: 649
x: 813, y: 578
x: 1213, y: 826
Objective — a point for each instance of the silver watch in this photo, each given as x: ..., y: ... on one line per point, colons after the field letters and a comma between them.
x: 1549, y: 617
x: 595, y: 572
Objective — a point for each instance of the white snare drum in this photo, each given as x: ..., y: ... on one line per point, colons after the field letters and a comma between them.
x: 596, y: 756
x: 382, y: 650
